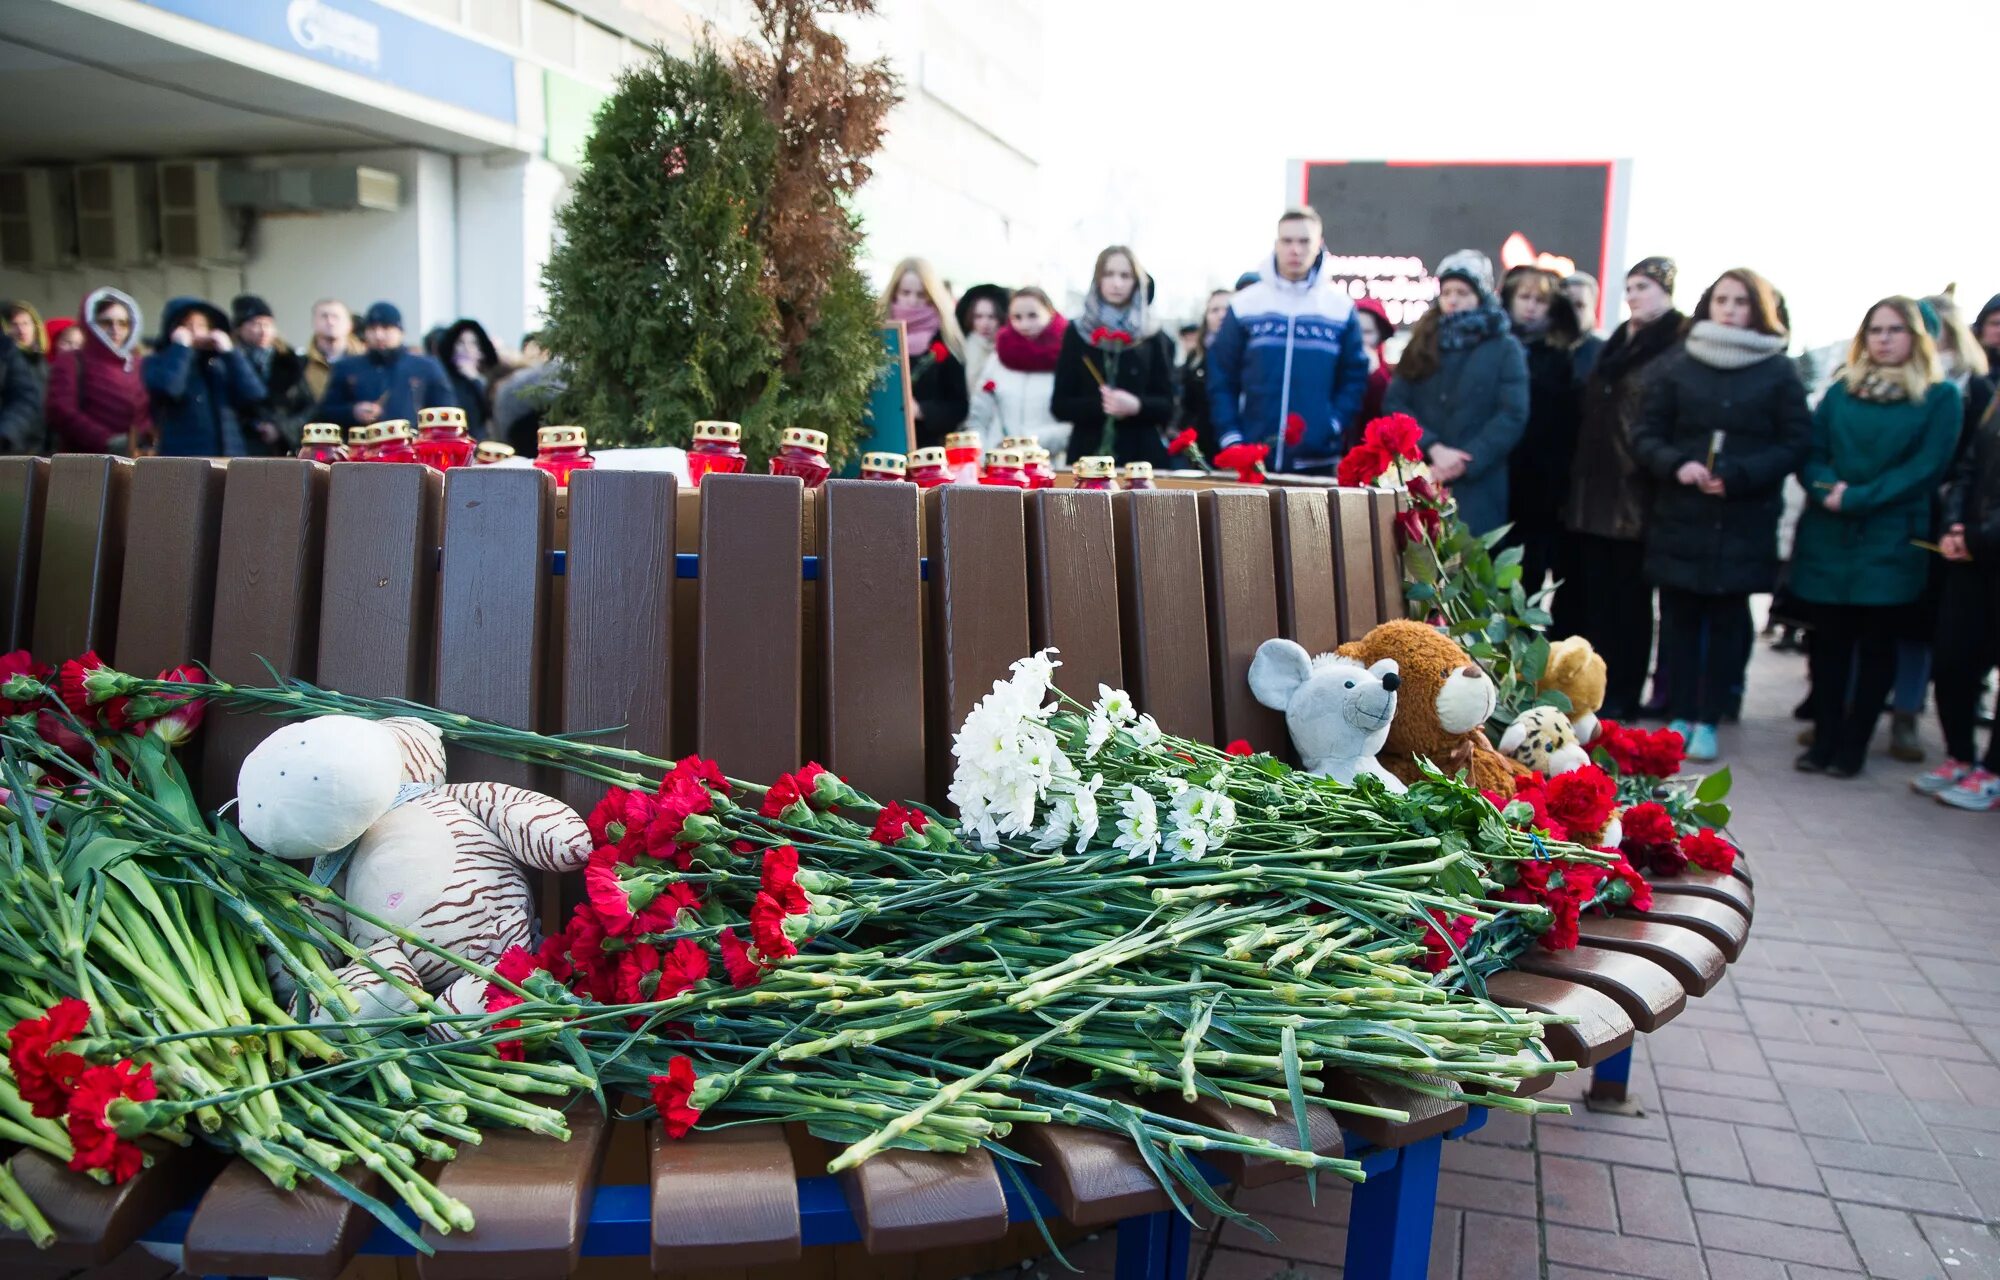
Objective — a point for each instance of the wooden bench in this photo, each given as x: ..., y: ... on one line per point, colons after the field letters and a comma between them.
x: 763, y: 625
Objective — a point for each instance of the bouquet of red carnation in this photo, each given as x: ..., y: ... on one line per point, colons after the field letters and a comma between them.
x: 1642, y: 754
x: 1246, y: 460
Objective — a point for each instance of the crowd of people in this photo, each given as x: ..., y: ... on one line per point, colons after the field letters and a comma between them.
x: 1658, y: 477
x: 215, y: 383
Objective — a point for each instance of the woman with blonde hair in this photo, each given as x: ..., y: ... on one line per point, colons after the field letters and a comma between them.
x: 1114, y: 377
x: 1882, y: 438
x: 936, y: 349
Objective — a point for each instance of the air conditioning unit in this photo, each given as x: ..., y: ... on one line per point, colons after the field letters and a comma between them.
x: 343, y: 188
x: 29, y: 219
x: 112, y: 203
x: 194, y: 226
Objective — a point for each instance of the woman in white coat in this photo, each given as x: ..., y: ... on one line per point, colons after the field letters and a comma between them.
x: 1014, y: 389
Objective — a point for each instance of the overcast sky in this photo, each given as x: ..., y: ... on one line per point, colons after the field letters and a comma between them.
x: 1845, y: 163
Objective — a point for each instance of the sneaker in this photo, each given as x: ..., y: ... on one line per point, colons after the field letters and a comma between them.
x: 1941, y: 779
x: 1683, y: 728
x: 1903, y: 741
x: 1978, y: 791
x: 1702, y: 746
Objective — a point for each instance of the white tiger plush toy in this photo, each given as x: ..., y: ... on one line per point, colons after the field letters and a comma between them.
x: 441, y: 860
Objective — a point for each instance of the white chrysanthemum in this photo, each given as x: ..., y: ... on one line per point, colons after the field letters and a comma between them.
x: 1139, y: 828
x: 1114, y: 705
x: 1145, y: 732
x: 1097, y: 731
x: 1061, y: 822
x: 1187, y: 843
x: 1007, y: 756
x: 1084, y: 798
x: 1038, y: 671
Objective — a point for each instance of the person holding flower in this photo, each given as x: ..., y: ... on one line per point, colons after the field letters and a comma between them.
x: 1114, y: 376
x: 1882, y: 439
x: 1018, y: 379
x: 917, y: 297
x: 1195, y: 415
x: 1464, y: 377
x: 981, y: 311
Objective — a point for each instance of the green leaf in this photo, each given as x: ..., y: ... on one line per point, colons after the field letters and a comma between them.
x: 1715, y: 786
x: 1510, y: 557
x: 1712, y: 813
x: 1534, y: 659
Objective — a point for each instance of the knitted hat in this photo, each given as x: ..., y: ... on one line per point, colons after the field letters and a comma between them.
x: 1471, y: 266
x: 1661, y: 271
x: 382, y: 313
x: 246, y: 307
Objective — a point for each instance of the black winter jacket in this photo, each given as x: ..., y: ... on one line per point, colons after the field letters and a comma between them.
x: 1146, y: 370
x: 1538, y: 468
x: 1973, y: 497
x: 938, y: 388
x: 1726, y: 545
x: 1609, y: 492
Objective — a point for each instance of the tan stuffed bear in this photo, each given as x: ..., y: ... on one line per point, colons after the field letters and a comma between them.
x: 1577, y: 672
x: 1441, y: 706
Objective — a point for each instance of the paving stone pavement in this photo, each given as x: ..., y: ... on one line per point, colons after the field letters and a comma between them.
x: 1831, y: 1109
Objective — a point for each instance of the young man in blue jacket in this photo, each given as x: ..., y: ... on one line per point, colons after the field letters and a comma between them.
x: 1290, y: 364
x: 387, y: 381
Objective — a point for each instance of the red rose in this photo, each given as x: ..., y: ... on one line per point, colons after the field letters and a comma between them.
x: 939, y: 352
x: 1409, y: 527
x: 1361, y: 465
x: 1182, y: 442
x: 1647, y: 824
x: 1581, y: 799
x: 767, y: 929
x: 91, y: 1131
x: 988, y: 386
x: 44, y: 1079
x: 1397, y: 434
x: 1423, y: 491
x: 895, y: 822
x: 781, y: 879
x: 736, y: 961
x: 20, y: 663
x: 1437, y: 952
x: 671, y: 1094
x: 1295, y: 429
x: 1240, y: 747
x: 1709, y: 851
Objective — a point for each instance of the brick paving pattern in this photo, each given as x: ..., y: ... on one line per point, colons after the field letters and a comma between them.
x: 1831, y: 1109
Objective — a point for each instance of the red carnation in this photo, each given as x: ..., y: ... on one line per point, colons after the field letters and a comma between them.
x: 767, y: 929
x: 671, y: 1093
x: 553, y: 955
x: 896, y: 821
x: 1099, y: 335
x: 781, y: 879
x: 1640, y: 892
x: 988, y: 386
x: 701, y: 770
x: 91, y: 1131
x: 1182, y: 442
x: 604, y: 891
x: 1295, y: 429
x: 176, y: 716
x: 811, y: 786
x: 1361, y: 465
x: 20, y: 663
x: 618, y: 811
x: 88, y: 694
x: 43, y: 1078
x: 939, y: 351
x: 736, y: 961
x: 1437, y: 953
x: 784, y: 793
x: 1709, y: 851
x: 1240, y: 747
x: 1397, y: 434
x: 1581, y: 799
x: 663, y: 913
x: 1647, y: 824
x: 1246, y: 460
x: 685, y: 965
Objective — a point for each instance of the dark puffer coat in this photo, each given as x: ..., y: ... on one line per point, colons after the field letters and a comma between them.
x: 1609, y: 491
x: 1973, y: 499
x: 1724, y: 545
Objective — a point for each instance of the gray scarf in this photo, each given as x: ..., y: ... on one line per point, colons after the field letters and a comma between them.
x: 1720, y: 346
x: 1134, y: 317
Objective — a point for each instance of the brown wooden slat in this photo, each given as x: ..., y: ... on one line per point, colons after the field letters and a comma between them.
x: 871, y: 637
x: 1721, y: 886
x: 618, y: 615
x: 1354, y: 563
x: 492, y: 599
x: 750, y: 699
x: 1648, y: 994
x: 1073, y: 587
x: 1255, y: 1171
x: 1695, y: 962
x: 95, y: 1223
x: 83, y: 557
x: 1093, y: 1177
x: 1242, y: 603
x: 1429, y: 1116
x: 978, y: 606
x: 1302, y: 545
x: 1721, y: 924
x: 723, y: 1198
x: 24, y: 486
x: 530, y: 1198
x: 245, y: 1226
x: 173, y: 525
x: 378, y: 595
x: 266, y: 597
x: 1601, y: 1029
x: 1388, y: 557
x: 910, y: 1200
x: 1161, y: 609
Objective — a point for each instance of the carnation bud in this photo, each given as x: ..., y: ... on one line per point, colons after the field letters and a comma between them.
x: 699, y: 827
x: 821, y: 881
x: 23, y: 687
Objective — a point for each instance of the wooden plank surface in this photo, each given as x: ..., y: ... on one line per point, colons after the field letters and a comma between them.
x: 1723, y: 886
x: 1073, y: 588
x: 1162, y: 614
x: 246, y: 1226
x: 1302, y: 545
x: 1242, y: 600
x: 1388, y: 557
x: 977, y: 609
x: 1429, y: 1116
x: 378, y: 589
x: 83, y: 555
x: 723, y: 1198
x: 1093, y: 1177
x: 1354, y: 563
x: 1648, y: 994
x: 173, y: 525
x: 1601, y: 1028
x: 95, y: 1223
x: 905, y: 1201
x: 24, y: 486
x: 749, y: 691
x: 1725, y: 927
x: 870, y: 614
x: 530, y: 1198
x: 1695, y: 962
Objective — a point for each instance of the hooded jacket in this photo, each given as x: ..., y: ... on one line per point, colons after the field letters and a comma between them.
x: 96, y: 395
x: 200, y: 398
x: 474, y: 391
x: 1288, y: 347
x: 401, y: 381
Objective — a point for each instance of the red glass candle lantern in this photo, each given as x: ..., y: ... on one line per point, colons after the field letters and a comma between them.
x: 1003, y: 469
x: 927, y: 468
x: 392, y: 441
x: 884, y: 466
x: 561, y: 450
x: 1138, y: 475
x: 492, y: 451
x: 802, y: 453
x: 320, y: 442
x: 718, y: 446
x: 1035, y: 463
x: 1096, y: 472
x: 361, y: 443
x: 442, y: 441
x: 961, y: 456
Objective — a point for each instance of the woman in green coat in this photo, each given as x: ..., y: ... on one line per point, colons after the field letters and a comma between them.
x: 1882, y: 439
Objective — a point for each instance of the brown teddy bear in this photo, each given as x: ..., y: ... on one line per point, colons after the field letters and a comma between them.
x: 1441, y: 706
x: 1578, y: 672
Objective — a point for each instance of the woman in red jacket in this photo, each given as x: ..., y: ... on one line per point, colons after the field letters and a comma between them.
x: 96, y: 401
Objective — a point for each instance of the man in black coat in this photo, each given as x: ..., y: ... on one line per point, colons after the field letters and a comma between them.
x: 386, y: 382
x: 20, y: 397
x: 276, y: 421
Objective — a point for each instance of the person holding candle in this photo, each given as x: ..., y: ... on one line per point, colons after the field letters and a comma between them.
x: 1114, y: 376
x: 935, y: 347
x: 1722, y: 424
x: 1018, y: 380
x: 1882, y: 439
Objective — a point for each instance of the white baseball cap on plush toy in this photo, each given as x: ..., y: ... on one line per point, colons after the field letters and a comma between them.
x: 314, y: 786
